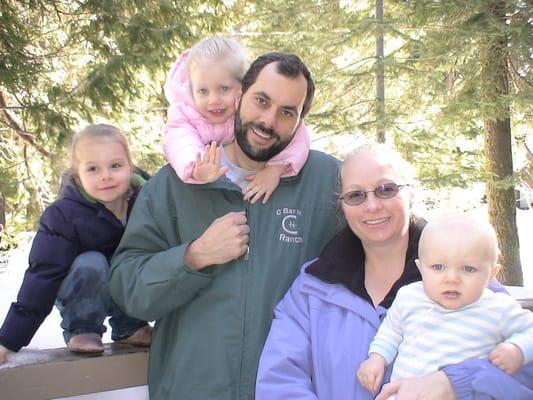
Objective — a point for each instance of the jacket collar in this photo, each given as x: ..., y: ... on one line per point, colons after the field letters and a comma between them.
x: 69, y: 189
x: 340, y: 296
x: 342, y: 261
x: 137, y: 181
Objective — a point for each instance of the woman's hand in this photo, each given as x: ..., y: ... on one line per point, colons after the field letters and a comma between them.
x: 430, y: 387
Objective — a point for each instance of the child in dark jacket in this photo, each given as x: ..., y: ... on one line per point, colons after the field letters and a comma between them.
x: 70, y: 254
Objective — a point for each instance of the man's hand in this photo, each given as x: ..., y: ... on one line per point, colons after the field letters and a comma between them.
x: 207, y: 168
x: 508, y: 357
x: 435, y: 386
x: 224, y: 240
x: 371, y: 371
x: 3, y: 354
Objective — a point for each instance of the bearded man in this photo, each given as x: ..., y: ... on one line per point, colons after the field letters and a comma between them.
x: 208, y: 266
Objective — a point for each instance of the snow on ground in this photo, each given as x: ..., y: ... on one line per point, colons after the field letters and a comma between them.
x: 525, y: 231
x: 49, y: 335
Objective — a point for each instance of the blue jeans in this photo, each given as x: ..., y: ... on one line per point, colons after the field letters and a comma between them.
x: 84, y: 301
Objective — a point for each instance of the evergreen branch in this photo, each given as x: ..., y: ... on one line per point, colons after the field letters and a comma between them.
x: 351, y: 105
x: 324, y: 136
x: 56, y: 53
x: 29, y: 177
x: 516, y: 74
x: 10, y: 121
x: 281, y: 11
x: 41, y: 192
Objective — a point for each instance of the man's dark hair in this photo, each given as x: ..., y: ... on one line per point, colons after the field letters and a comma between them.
x: 288, y: 65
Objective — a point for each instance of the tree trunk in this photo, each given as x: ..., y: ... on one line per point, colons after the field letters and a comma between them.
x: 498, y: 153
x: 2, y: 217
x: 501, y: 200
x: 380, y: 75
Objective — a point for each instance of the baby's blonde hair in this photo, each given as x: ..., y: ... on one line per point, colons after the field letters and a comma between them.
x: 455, y: 221
x: 215, y: 48
x: 96, y: 131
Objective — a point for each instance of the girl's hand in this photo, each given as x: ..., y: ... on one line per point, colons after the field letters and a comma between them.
x: 263, y: 183
x: 208, y: 169
x: 3, y: 354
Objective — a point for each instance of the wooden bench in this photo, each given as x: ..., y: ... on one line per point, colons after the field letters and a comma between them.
x: 527, y: 304
x: 61, y: 373
x: 524, y: 296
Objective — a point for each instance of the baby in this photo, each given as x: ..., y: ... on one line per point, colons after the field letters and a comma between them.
x: 451, y: 315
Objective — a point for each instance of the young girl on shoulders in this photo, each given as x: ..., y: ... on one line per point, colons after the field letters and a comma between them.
x: 70, y: 254
x: 203, y: 89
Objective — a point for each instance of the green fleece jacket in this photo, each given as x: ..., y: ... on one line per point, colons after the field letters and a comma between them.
x: 211, y: 325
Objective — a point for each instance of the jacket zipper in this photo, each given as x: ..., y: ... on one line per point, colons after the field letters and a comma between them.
x: 247, y: 254
x: 246, y: 258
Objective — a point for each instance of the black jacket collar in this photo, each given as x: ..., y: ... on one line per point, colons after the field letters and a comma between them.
x: 342, y: 261
x: 69, y: 189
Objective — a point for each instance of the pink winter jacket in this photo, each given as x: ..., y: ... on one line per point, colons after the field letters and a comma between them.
x: 187, y: 131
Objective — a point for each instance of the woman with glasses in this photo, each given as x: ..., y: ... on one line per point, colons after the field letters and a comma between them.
x: 324, y: 325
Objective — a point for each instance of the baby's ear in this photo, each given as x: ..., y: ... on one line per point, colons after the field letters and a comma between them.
x: 495, y: 271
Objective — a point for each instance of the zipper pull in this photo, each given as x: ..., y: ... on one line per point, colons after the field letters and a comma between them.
x: 247, y: 254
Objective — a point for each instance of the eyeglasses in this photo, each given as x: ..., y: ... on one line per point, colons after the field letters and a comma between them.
x: 383, y: 191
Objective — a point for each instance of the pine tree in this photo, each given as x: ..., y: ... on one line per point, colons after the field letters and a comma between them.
x: 470, y: 66
x: 457, y: 81
x: 438, y: 107
x: 65, y: 64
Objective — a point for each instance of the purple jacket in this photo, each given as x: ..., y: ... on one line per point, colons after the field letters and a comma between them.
x: 72, y: 225
x: 319, y: 336
x: 324, y: 325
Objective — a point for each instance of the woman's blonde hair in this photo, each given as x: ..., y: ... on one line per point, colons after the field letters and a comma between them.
x: 97, y: 131
x: 403, y: 168
x: 405, y: 171
x: 215, y: 48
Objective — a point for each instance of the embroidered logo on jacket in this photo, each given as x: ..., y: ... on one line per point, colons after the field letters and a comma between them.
x: 289, y: 225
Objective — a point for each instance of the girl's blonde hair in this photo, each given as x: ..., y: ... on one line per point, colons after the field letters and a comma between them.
x: 96, y: 131
x: 216, y: 48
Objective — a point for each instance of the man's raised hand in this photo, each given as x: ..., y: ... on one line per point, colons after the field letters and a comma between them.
x: 224, y: 240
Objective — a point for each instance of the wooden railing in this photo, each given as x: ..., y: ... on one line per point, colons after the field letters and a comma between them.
x: 527, y: 304
x: 61, y: 373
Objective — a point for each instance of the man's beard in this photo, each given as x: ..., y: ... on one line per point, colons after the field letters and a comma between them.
x: 261, y: 154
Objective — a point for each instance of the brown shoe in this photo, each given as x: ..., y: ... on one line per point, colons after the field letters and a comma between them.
x: 141, y: 337
x: 88, y: 343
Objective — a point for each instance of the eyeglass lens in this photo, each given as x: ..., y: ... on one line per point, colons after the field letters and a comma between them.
x: 383, y: 191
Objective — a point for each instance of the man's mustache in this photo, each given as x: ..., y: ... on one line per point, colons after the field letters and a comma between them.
x: 262, y: 128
